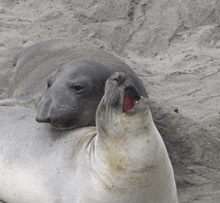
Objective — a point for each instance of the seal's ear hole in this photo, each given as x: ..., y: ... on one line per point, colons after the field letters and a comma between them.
x: 52, y: 78
x: 49, y: 83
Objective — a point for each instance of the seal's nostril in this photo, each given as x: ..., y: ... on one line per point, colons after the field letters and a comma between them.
x: 43, y: 120
x: 119, y: 77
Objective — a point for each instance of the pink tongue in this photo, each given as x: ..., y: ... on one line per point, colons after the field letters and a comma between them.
x: 129, y: 103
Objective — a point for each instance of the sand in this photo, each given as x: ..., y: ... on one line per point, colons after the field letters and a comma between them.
x: 174, y: 47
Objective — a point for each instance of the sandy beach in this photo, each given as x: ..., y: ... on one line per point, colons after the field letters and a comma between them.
x: 174, y: 47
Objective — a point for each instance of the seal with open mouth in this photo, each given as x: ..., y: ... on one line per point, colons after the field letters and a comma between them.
x: 74, y: 93
x: 70, y: 77
x: 123, y: 159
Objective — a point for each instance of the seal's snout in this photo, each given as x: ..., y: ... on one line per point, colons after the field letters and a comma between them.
x: 43, y: 119
x: 125, y: 88
x: 119, y: 77
x: 43, y: 111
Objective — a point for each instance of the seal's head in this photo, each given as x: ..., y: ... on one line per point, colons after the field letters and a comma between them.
x: 73, y: 94
x: 122, y: 107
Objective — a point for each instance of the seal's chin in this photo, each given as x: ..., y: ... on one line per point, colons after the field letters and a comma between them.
x: 61, y: 127
x: 131, y: 98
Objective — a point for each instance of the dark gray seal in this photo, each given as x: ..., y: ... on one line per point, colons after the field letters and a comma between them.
x: 37, y: 62
x: 123, y: 159
x: 76, y: 86
x: 74, y: 92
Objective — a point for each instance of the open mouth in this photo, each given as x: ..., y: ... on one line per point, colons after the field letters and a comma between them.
x: 131, y: 97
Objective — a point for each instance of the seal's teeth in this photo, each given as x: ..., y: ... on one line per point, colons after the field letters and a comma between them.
x: 136, y: 102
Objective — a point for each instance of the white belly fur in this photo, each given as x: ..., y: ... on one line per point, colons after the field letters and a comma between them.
x: 45, y: 169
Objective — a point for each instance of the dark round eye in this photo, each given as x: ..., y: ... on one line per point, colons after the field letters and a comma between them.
x: 77, y: 88
x: 49, y: 83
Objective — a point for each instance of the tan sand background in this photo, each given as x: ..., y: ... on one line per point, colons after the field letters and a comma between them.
x: 173, y: 45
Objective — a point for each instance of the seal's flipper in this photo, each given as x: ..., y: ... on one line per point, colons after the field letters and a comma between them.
x: 8, y: 102
x: 31, y: 103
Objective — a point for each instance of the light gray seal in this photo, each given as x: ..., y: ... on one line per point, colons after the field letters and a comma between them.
x: 123, y: 159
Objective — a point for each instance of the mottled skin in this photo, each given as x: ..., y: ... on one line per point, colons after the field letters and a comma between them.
x: 74, y: 92
x: 121, y: 160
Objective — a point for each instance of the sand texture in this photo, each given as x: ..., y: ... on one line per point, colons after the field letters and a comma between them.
x: 174, y: 47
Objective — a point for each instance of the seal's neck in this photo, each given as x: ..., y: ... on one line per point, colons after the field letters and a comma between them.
x: 119, y: 152
x: 122, y: 127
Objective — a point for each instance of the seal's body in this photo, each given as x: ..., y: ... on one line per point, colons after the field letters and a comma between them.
x: 123, y: 159
x: 37, y: 62
x: 70, y: 76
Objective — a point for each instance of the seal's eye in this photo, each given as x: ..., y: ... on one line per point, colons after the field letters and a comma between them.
x: 77, y: 88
